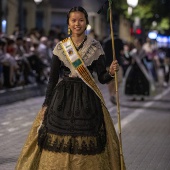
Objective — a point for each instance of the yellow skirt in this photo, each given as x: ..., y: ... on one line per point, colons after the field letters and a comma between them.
x: 34, y: 158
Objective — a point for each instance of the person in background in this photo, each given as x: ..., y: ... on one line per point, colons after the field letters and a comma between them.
x: 152, y: 58
x: 137, y: 79
x: 119, y: 48
x: 126, y: 58
x: 166, y: 69
x: 8, y: 64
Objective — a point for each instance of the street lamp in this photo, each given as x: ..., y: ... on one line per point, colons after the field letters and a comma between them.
x: 37, y: 1
x: 132, y: 4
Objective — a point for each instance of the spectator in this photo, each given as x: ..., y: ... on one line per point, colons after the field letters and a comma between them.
x: 166, y: 69
x: 126, y: 57
x: 118, y: 44
x: 8, y: 65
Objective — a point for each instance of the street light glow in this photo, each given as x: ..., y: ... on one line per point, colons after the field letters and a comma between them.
x: 37, y: 1
x: 4, y: 24
x: 152, y: 35
x: 132, y: 3
x: 130, y: 9
x: 88, y: 27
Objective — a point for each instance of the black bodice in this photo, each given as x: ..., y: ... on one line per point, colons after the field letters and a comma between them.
x: 58, y: 69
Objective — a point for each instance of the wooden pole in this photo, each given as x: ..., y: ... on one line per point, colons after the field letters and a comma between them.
x: 116, y: 87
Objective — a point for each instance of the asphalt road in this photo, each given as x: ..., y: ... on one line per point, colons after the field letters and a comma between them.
x: 145, y: 129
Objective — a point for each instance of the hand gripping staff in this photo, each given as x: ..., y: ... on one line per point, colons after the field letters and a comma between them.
x: 116, y: 77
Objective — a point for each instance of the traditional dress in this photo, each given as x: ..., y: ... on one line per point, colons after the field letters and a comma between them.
x: 137, y: 79
x: 77, y: 132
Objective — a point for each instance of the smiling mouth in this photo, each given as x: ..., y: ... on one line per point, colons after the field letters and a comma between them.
x: 77, y: 28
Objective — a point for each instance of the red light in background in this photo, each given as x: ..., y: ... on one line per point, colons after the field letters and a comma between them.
x: 138, y: 31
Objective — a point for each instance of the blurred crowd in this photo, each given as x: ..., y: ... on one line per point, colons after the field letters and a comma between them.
x: 25, y: 59
x: 143, y: 66
x: 156, y: 59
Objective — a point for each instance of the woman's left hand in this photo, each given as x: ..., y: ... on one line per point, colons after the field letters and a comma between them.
x: 114, y: 67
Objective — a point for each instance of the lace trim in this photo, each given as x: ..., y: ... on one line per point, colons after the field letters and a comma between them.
x: 90, y: 51
x: 85, y: 145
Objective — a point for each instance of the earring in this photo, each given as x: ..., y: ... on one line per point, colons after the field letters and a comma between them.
x: 69, y: 31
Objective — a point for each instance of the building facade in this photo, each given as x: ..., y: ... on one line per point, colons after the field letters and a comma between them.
x: 27, y: 14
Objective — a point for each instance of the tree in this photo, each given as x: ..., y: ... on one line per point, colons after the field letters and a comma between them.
x: 154, y: 11
x: 154, y: 14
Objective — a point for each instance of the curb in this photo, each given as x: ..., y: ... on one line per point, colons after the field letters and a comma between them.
x: 21, y: 93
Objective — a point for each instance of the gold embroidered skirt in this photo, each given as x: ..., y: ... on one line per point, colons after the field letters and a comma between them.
x: 34, y: 158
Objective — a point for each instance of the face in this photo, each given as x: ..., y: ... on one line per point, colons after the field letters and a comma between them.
x: 137, y: 44
x: 77, y: 23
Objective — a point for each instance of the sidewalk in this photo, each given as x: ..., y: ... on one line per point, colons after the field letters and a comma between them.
x: 21, y: 93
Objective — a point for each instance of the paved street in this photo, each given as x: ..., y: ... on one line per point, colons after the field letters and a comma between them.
x: 145, y: 129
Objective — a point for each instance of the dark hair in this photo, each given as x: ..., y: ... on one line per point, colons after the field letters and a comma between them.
x: 80, y: 9
x: 3, y: 42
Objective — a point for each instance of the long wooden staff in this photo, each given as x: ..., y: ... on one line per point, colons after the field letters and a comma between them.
x: 116, y: 82
x: 116, y: 87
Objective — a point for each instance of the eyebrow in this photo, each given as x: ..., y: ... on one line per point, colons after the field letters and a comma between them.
x: 78, y: 18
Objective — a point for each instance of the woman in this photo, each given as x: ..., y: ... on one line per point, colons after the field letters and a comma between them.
x: 138, y: 83
x: 77, y: 132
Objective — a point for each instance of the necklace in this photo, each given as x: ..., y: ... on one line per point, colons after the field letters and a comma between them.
x: 79, y: 45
